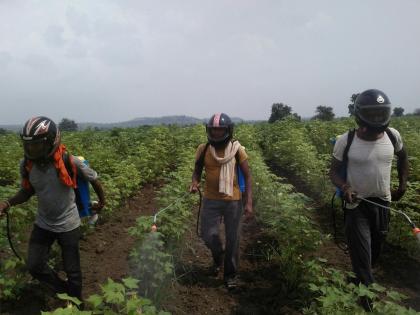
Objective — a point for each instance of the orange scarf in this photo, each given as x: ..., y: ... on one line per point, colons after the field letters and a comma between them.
x: 59, y: 164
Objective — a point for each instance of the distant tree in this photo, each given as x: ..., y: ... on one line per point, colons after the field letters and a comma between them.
x: 398, y: 112
x: 416, y: 112
x: 324, y: 113
x: 67, y: 125
x: 296, y: 116
x: 3, y: 131
x: 351, y: 105
x: 279, y: 111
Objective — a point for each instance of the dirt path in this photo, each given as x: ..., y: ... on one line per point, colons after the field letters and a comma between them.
x: 196, y: 292
x: 105, y: 251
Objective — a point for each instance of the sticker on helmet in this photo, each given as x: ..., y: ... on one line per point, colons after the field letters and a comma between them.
x: 380, y: 99
x: 42, y: 127
x: 31, y: 122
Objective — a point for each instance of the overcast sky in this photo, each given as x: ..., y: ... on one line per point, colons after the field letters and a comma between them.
x: 109, y: 61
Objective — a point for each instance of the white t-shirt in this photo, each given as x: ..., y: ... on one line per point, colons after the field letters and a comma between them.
x: 369, y: 164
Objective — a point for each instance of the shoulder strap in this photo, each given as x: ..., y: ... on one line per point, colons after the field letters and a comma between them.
x: 200, y: 161
x: 391, y: 137
x: 237, y: 154
x: 350, y: 137
x: 199, y: 164
x: 68, y: 163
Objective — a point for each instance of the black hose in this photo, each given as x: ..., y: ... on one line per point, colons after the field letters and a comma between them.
x: 9, y: 236
x: 333, y: 215
x: 199, y: 212
x: 340, y: 244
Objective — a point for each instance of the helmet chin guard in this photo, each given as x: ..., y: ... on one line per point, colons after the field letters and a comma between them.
x: 219, y: 130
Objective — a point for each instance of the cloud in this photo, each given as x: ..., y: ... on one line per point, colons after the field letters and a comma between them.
x: 5, y: 59
x: 76, y: 50
x: 54, y: 36
x: 78, y: 22
x: 320, y: 20
x: 39, y: 63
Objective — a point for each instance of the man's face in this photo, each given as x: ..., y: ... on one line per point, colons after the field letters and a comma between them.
x: 218, y: 132
x: 36, y: 150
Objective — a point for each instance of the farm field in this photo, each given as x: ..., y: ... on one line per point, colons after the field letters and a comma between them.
x: 289, y: 262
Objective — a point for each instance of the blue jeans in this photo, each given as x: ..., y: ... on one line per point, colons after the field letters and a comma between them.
x: 39, y: 248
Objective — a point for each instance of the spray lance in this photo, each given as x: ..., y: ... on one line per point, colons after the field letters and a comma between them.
x: 154, y: 227
x: 154, y: 224
x: 416, y: 230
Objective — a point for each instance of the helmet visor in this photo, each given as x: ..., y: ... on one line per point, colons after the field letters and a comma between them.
x: 375, y: 115
x: 217, y: 134
x: 36, y: 149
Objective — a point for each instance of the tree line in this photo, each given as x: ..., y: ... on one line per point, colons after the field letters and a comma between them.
x: 280, y: 111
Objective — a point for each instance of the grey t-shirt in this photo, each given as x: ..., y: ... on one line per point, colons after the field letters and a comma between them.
x: 57, y: 210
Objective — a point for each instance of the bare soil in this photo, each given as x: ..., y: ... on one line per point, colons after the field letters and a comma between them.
x: 259, y: 290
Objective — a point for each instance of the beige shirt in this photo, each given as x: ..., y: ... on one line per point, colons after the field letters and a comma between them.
x: 212, y: 168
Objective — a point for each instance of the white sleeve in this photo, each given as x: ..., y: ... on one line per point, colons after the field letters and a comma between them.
x: 399, y: 142
x: 339, y: 146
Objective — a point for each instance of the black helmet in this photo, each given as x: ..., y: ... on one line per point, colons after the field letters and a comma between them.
x: 372, y: 108
x: 219, y: 121
x: 40, y: 137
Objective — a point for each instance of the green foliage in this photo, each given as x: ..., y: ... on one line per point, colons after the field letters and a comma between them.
x: 153, y: 266
x: 115, y: 298
x: 280, y: 111
x: 333, y: 294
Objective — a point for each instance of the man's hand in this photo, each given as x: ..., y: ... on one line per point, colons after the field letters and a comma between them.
x: 4, y: 206
x: 248, y: 212
x: 349, y: 194
x: 194, y: 187
x: 97, y: 206
x: 397, y: 194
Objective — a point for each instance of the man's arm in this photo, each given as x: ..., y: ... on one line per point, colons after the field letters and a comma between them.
x: 97, y: 187
x: 198, y: 169
x: 248, y: 189
x: 20, y: 197
x: 196, y: 177
x: 402, y: 169
x: 338, y: 181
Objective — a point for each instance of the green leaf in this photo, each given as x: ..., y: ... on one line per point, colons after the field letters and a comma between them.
x: 395, y: 296
x: 131, y: 283
x: 95, y: 300
x: 66, y: 297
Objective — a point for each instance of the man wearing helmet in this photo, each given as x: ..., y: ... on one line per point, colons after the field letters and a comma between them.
x: 45, y: 174
x: 367, y: 163
x: 222, y: 196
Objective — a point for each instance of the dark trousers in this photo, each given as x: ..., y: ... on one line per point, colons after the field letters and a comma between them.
x: 212, y: 212
x: 366, y: 227
x: 39, y: 248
